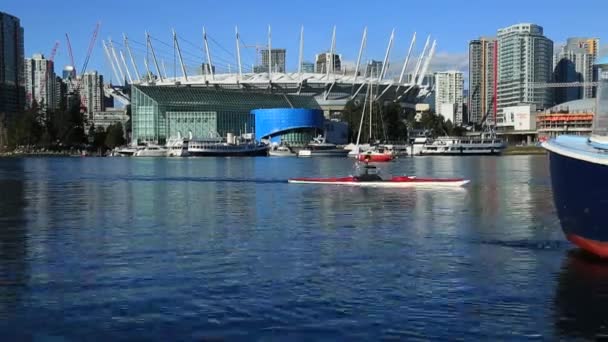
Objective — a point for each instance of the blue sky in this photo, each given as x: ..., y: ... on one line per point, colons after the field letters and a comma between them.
x: 452, y: 23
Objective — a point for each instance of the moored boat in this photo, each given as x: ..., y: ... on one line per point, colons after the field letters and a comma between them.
x: 485, y: 144
x: 230, y: 147
x: 281, y: 151
x: 152, y: 151
x: 579, y: 177
x: 376, y: 155
x: 320, y: 148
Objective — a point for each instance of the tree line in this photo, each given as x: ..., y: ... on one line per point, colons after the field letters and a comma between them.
x: 391, y: 122
x: 61, y: 129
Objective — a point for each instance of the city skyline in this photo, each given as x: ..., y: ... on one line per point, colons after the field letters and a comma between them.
x: 49, y: 24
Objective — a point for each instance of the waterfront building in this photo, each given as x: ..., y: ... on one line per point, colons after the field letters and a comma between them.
x: 293, y: 126
x: 324, y: 60
x: 449, y: 92
x: 308, y: 67
x: 373, y: 68
x: 92, y: 92
x: 40, y: 83
x: 524, y: 58
x: 575, y: 63
x: 483, y: 66
x: 109, y: 116
x: 159, y: 113
x: 12, y: 81
x: 572, y: 118
x: 278, y: 60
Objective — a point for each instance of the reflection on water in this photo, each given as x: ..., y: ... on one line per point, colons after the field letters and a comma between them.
x: 14, y: 270
x: 159, y: 248
x: 581, y: 298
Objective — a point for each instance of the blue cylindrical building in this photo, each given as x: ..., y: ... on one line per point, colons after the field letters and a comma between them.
x: 293, y: 126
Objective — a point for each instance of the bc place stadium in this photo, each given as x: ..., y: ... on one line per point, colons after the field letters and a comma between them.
x: 222, y: 96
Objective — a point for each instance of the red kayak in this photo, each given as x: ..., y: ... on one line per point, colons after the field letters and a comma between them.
x: 376, y: 181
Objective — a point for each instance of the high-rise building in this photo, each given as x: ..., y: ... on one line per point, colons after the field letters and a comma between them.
x: 308, y: 67
x: 40, y: 83
x: 278, y: 60
x: 205, y: 70
x: 69, y: 72
x: 524, y: 57
x: 323, y: 60
x: 12, y: 82
x: 373, y: 68
x: 483, y: 58
x: 574, y: 63
x: 449, y: 92
x: 91, y: 92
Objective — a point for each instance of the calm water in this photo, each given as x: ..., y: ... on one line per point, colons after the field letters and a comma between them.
x: 188, y: 249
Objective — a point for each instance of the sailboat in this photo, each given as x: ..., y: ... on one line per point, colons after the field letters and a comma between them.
x: 579, y: 177
x: 375, y: 153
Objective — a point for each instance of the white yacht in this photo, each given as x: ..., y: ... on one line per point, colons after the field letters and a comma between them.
x: 177, y: 147
x: 232, y: 146
x: 125, y: 151
x: 319, y: 148
x: 151, y: 151
x: 281, y: 151
x: 485, y: 144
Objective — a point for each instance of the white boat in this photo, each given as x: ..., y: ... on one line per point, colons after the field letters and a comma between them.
x: 397, y: 150
x: 281, y: 151
x: 487, y: 144
x: 177, y: 147
x: 152, y: 151
x: 319, y: 148
x: 125, y: 151
x: 230, y: 147
x: 418, y: 144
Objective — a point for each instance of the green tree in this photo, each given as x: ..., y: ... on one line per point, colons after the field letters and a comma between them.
x: 115, y: 136
x: 99, y: 138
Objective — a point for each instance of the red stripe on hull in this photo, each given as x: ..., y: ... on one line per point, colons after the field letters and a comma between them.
x: 375, y: 157
x: 595, y: 247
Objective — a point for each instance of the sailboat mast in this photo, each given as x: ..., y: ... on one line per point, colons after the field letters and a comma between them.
x: 371, y: 104
x: 362, y: 118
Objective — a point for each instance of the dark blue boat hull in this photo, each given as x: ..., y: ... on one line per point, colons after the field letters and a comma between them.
x: 580, y: 193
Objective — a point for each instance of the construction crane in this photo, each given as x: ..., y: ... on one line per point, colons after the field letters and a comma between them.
x: 67, y: 38
x: 77, y: 86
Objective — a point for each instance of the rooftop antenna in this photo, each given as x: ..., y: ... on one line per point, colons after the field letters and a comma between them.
x: 179, y: 54
x: 149, y: 42
x: 331, y: 53
x: 386, y: 56
x: 407, y: 60
x: 149, y: 75
x: 209, y: 63
x: 361, y: 48
x: 124, y: 64
x: 426, y: 64
x: 238, y: 53
x: 301, y: 56
x: 105, y: 49
x: 126, y: 42
x: 113, y: 51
